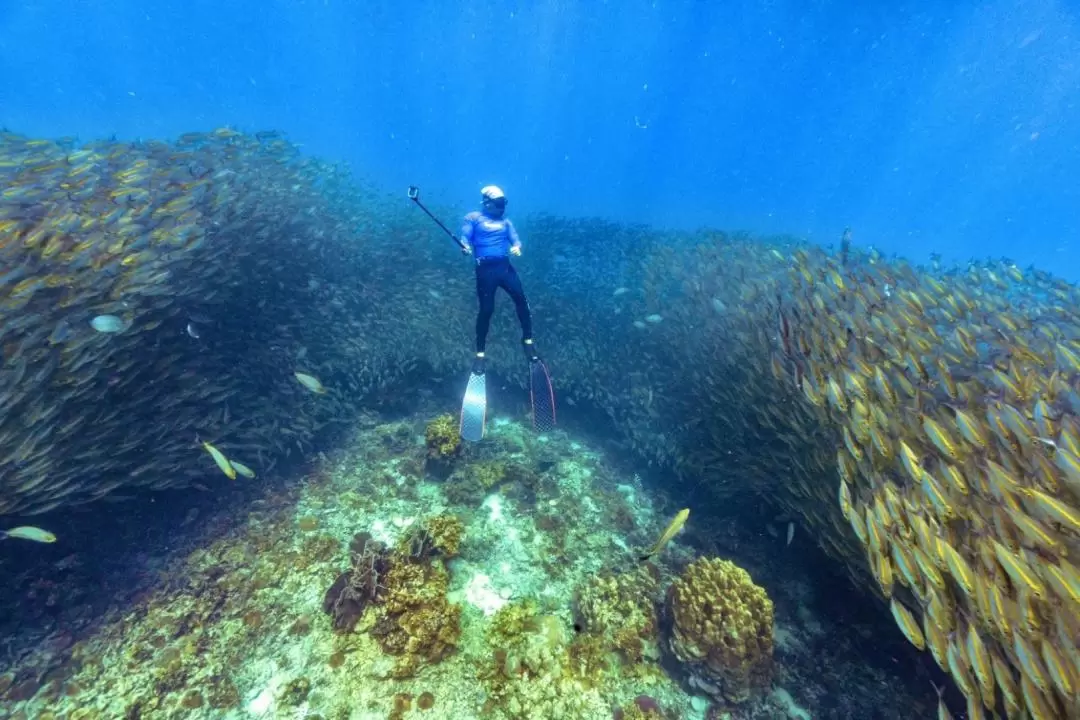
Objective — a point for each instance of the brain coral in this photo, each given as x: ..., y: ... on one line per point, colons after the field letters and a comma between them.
x: 721, y: 629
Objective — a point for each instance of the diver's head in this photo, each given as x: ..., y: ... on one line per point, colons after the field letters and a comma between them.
x: 493, y: 201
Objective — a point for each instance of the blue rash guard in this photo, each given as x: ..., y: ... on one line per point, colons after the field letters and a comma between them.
x: 488, y: 237
x: 491, y: 240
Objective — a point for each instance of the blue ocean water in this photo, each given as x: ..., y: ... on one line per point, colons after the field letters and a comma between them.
x: 927, y: 127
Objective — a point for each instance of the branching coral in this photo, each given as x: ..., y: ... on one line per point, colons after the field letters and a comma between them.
x: 722, y: 629
x: 438, y: 535
x: 442, y: 438
x: 360, y: 585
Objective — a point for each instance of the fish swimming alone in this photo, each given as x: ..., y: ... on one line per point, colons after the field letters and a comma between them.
x: 675, y: 526
x: 29, y: 533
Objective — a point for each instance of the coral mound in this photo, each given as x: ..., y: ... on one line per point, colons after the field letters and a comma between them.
x: 529, y: 677
x: 354, y: 589
x: 442, y: 438
x: 619, y: 609
x: 415, y: 622
x: 722, y: 629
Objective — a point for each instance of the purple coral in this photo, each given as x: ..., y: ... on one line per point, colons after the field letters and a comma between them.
x: 647, y: 704
x: 360, y: 585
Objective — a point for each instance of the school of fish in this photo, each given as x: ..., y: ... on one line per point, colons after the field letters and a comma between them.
x: 147, y: 313
x: 177, y: 313
x: 926, y: 424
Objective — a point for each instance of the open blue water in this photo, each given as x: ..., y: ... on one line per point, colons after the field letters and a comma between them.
x: 925, y: 126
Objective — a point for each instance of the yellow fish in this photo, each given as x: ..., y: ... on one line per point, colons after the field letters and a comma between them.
x: 311, y: 383
x: 221, y: 460
x: 242, y: 469
x: 674, y: 527
x: 26, y: 532
x: 907, y: 624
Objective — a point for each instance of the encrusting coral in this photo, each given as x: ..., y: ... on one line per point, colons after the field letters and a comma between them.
x: 530, y: 674
x: 445, y: 533
x: 417, y: 623
x: 527, y: 641
x: 721, y: 629
x: 470, y: 484
x: 642, y: 708
x: 620, y: 610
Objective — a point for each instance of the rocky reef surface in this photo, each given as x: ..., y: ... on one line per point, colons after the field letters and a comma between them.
x: 410, y: 576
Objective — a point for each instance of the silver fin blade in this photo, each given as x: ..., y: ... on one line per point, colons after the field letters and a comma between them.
x: 474, y: 408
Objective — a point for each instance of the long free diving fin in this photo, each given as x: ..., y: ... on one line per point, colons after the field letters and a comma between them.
x: 474, y: 408
x: 542, y: 397
x: 474, y: 404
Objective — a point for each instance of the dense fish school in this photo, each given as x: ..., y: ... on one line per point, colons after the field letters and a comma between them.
x: 198, y: 312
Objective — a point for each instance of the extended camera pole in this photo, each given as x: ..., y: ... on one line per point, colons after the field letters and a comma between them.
x: 414, y: 195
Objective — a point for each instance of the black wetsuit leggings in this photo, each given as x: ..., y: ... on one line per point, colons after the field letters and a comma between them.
x: 491, y: 274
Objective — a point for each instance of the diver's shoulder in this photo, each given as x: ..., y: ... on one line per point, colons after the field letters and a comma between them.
x: 473, y: 216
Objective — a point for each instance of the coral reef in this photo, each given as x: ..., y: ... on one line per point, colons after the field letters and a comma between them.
x: 529, y: 675
x: 442, y: 438
x: 471, y: 483
x: 359, y: 586
x: 722, y: 629
x: 438, y: 535
x: 912, y: 382
x: 528, y: 606
x: 527, y: 641
x: 642, y: 708
x: 620, y: 610
x: 417, y: 623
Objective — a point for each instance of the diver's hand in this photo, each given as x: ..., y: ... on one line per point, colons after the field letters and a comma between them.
x: 466, y: 250
x: 515, y: 250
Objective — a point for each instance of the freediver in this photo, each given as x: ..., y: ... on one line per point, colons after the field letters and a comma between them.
x: 491, y: 239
